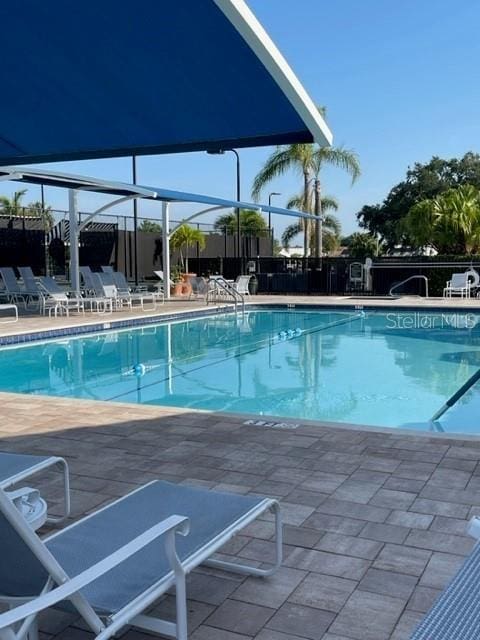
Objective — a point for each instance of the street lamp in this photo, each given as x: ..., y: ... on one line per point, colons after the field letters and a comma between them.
x: 273, y: 193
x: 221, y: 152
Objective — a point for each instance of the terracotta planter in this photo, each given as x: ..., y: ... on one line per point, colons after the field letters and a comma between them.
x: 187, y: 287
x: 177, y: 289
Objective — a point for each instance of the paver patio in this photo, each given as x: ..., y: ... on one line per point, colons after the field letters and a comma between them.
x: 375, y: 521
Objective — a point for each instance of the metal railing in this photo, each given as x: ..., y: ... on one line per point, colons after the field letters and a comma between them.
x: 222, y: 290
x: 399, y: 284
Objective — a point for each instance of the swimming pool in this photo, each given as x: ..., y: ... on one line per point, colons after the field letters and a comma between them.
x: 390, y: 368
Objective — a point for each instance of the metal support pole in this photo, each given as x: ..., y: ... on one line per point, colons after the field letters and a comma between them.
x: 45, y: 231
x: 270, y: 230
x: 239, y: 233
x: 135, y: 223
x: 74, y: 240
x: 166, y: 249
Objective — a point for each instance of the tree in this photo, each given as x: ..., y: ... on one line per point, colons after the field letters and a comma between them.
x: 362, y: 245
x: 306, y: 160
x: 13, y: 206
x: 331, y: 227
x: 183, y: 238
x: 450, y: 222
x: 252, y: 223
x: 422, y: 182
x: 39, y: 210
x: 148, y: 226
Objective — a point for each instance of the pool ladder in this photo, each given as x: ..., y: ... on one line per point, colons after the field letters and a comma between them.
x: 416, y: 277
x: 221, y: 290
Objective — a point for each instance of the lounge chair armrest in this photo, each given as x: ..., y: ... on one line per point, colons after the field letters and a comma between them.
x: 170, y: 526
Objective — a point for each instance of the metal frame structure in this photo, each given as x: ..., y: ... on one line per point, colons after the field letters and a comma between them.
x: 123, y: 192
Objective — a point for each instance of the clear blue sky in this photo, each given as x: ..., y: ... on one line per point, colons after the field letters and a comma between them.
x: 400, y: 80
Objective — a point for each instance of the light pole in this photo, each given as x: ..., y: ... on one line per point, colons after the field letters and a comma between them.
x: 220, y: 152
x: 273, y: 193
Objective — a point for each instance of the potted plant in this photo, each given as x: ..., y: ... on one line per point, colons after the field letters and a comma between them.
x: 176, y: 275
x: 182, y: 239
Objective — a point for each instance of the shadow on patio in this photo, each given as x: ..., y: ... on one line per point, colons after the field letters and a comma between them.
x: 374, y: 522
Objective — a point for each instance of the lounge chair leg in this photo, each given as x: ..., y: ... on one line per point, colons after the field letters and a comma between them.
x: 33, y: 631
x: 181, y: 606
x: 66, y: 496
x: 255, y: 571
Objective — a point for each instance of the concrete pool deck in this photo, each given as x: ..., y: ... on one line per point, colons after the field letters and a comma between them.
x: 375, y: 520
x: 32, y: 322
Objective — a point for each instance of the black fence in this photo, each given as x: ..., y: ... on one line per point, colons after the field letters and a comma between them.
x: 23, y: 242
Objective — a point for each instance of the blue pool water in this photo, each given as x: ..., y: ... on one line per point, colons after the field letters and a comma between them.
x: 386, y: 369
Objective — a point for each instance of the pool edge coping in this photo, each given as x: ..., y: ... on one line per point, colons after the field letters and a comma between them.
x: 107, y: 324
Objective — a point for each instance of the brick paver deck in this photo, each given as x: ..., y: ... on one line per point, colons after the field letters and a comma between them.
x: 375, y: 522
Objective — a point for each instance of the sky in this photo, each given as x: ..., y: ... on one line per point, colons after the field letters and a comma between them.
x: 400, y: 81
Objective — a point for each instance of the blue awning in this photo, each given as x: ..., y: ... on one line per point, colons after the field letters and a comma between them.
x: 109, y: 78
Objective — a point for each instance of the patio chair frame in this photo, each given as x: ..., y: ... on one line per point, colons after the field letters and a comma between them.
x: 131, y: 614
x: 28, y: 471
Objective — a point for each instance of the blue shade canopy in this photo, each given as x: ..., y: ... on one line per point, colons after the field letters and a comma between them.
x: 110, y: 78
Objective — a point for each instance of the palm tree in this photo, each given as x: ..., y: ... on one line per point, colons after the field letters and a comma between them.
x: 13, y: 206
x: 331, y: 224
x: 306, y: 160
x: 44, y: 213
x: 450, y: 222
x: 252, y: 223
x: 363, y: 245
x: 39, y: 210
x: 184, y: 237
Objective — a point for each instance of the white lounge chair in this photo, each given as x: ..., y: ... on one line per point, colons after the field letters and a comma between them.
x: 199, y: 286
x: 88, y: 281
x: 115, y: 563
x: 128, y: 297
x: 460, y: 284
x: 13, y: 292
x: 161, y: 285
x: 17, y: 467
x: 55, y: 300
x: 241, y: 285
x: 30, y: 283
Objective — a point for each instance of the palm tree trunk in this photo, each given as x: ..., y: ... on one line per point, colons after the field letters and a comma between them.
x: 306, y: 223
x: 318, y: 223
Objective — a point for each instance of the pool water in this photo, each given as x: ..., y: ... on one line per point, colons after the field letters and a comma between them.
x: 392, y: 369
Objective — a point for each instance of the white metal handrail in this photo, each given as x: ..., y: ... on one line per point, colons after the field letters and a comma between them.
x: 219, y: 284
x: 399, y: 284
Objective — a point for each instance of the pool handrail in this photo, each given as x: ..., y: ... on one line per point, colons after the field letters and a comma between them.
x: 456, y: 396
x: 417, y: 276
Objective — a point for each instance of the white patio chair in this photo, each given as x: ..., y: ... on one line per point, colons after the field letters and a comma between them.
x: 114, y: 564
x: 241, y: 285
x: 128, y: 297
x: 88, y: 281
x: 101, y: 297
x: 55, y: 300
x: 12, y: 290
x: 460, y: 284
x: 30, y: 284
x: 120, y: 281
x: 161, y: 285
x: 199, y: 286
